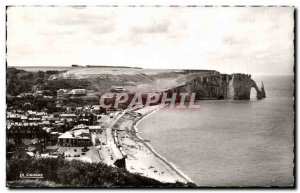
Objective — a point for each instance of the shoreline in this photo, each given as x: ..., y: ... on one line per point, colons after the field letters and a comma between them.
x: 150, y: 148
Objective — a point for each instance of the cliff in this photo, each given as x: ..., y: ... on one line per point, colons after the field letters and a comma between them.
x: 211, y: 85
x: 224, y: 86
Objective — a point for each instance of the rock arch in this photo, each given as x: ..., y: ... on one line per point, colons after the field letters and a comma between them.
x: 258, y: 92
x: 239, y: 87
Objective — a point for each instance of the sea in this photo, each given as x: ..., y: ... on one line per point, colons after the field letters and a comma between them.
x: 247, y: 143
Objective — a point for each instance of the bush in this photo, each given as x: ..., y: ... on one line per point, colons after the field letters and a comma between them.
x: 77, y: 173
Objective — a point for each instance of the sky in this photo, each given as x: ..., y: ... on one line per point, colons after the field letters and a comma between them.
x: 253, y: 40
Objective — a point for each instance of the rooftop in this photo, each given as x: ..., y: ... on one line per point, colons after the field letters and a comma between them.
x: 76, y: 134
x: 95, y: 127
x: 68, y: 115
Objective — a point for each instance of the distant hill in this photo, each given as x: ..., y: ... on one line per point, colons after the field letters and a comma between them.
x: 101, y: 66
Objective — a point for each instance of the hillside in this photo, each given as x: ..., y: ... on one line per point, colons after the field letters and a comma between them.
x: 97, y: 79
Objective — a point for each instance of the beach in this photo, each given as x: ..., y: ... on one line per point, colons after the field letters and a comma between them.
x: 141, y: 158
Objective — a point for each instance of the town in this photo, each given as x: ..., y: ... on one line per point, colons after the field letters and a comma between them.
x: 74, y: 133
x: 58, y: 115
x: 90, y: 132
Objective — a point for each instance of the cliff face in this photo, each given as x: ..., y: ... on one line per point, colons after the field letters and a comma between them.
x: 224, y: 86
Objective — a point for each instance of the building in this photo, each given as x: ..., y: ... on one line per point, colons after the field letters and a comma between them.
x: 118, y: 89
x: 24, y: 118
x: 14, y: 117
x: 79, y: 137
x: 96, y: 109
x: 34, y: 119
x: 61, y: 93
x: 95, y: 129
x: 38, y: 93
x: 68, y: 117
x: 77, y: 92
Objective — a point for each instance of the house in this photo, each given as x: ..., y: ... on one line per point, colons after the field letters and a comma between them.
x: 14, y: 117
x: 40, y: 114
x: 52, y: 119
x: 68, y: 117
x: 28, y: 94
x: 118, y: 89
x: 81, y: 126
x: 34, y: 119
x: 44, y: 118
x: 79, y: 137
x: 78, y: 109
x: 77, y: 92
x: 24, y: 118
x: 38, y: 93
x: 32, y: 113
x: 61, y: 93
x: 53, y: 138
x: 47, y: 97
x: 45, y: 123
x: 95, y: 128
x: 95, y: 109
x: 83, y: 121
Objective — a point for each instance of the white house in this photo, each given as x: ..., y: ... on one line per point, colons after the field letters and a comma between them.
x: 80, y: 137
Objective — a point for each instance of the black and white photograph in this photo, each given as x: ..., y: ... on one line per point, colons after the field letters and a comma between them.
x: 150, y: 96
